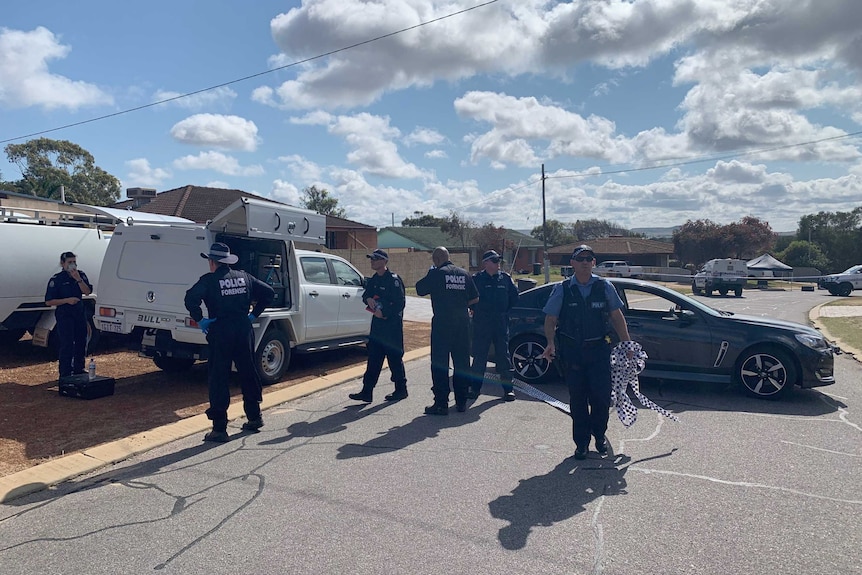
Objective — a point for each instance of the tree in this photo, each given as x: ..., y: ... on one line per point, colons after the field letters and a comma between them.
x: 491, y: 237
x: 457, y: 227
x: 697, y: 241
x: 557, y: 233
x: 47, y: 164
x: 838, y: 234
x: 321, y: 202
x: 804, y: 254
x: 420, y: 220
x: 586, y: 230
x: 750, y: 237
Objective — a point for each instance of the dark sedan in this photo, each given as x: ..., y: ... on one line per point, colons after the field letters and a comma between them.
x: 687, y: 340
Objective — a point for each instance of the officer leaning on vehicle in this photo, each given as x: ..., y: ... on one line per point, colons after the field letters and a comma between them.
x: 66, y: 290
x: 228, y: 295
x: 497, y: 295
x: 384, y: 296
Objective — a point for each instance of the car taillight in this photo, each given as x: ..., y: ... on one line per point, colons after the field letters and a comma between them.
x: 189, y: 322
x: 107, y: 312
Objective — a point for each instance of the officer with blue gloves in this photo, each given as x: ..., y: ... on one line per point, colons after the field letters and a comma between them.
x: 228, y: 295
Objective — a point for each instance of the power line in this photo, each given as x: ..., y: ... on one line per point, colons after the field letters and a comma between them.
x: 251, y: 76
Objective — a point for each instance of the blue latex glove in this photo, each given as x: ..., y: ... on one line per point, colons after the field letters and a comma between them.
x: 251, y: 317
x: 205, y: 324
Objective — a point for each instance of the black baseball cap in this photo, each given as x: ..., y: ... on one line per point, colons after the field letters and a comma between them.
x: 378, y: 254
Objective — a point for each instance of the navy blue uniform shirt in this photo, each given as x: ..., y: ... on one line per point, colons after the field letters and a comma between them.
x: 497, y: 295
x: 228, y: 294
x: 388, y: 290
x: 61, y: 286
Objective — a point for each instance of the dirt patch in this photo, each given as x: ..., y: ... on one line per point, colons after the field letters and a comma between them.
x: 37, y: 424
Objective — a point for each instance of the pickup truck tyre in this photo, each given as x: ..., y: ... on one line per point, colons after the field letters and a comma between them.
x: 844, y: 289
x: 737, y: 292
x: 173, y: 364
x: 695, y: 290
x: 766, y: 373
x: 272, y: 356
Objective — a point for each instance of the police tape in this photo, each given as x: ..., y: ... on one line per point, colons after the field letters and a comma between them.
x: 531, y: 391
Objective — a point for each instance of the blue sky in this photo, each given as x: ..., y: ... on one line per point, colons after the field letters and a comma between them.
x: 646, y: 113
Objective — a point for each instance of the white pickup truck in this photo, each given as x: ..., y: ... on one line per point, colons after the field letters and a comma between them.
x: 844, y: 283
x: 618, y: 269
x: 148, y: 268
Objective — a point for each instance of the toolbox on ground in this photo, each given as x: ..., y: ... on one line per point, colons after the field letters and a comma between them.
x: 85, y: 388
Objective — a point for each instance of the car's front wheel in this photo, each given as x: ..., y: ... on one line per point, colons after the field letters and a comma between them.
x: 527, y: 361
x: 766, y: 373
x: 272, y: 357
x: 844, y: 289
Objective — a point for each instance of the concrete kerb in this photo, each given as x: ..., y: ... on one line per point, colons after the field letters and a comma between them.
x: 814, y: 318
x: 68, y: 467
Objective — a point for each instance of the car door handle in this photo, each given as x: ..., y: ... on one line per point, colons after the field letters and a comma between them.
x: 313, y: 294
x: 345, y: 295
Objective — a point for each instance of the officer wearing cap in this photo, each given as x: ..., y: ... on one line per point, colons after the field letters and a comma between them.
x: 497, y: 295
x: 228, y: 295
x: 66, y: 290
x: 384, y: 296
x: 579, y: 316
x: 452, y: 290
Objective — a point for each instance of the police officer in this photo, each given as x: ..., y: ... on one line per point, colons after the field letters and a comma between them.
x: 384, y: 296
x: 228, y: 295
x: 66, y: 290
x: 452, y: 290
x: 497, y: 295
x: 580, y: 313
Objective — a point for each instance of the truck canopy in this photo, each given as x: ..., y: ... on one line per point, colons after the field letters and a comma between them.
x: 261, y: 219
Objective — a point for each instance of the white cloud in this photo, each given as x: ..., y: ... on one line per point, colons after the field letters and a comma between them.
x: 222, y: 96
x: 424, y: 136
x: 286, y: 192
x: 436, y: 155
x: 141, y: 174
x: 217, y: 162
x: 26, y: 81
x: 218, y: 184
x: 217, y: 130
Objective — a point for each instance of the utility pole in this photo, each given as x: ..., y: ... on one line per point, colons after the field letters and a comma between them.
x: 546, y: 260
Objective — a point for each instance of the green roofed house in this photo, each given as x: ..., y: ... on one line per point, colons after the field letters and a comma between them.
x: 524, y: 250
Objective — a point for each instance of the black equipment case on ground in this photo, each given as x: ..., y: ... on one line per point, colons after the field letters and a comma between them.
x: 85, y: 388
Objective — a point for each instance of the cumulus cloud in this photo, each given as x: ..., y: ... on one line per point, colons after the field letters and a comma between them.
x: 218, y: 162
x: 222, y: 96
x: 25, y: 79
x: 143, y: 175
x: 218, y: 131
x: 424, y: 136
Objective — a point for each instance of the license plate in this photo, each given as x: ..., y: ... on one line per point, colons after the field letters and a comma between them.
x: 111, y: 327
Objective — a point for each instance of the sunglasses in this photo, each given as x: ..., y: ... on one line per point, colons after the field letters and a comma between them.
x: 583, y: 259
x: 493, y: 260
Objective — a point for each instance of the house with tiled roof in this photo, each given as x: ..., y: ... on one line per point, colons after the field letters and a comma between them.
x: 526, y: 250
x: 201, y: 204
x: 636, y: 251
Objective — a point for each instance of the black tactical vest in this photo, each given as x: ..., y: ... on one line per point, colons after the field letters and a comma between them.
x: 583, y: 320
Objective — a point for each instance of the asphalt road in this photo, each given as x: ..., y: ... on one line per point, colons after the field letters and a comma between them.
x: 738, y: 486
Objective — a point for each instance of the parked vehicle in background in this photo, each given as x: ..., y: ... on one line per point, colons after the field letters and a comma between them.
x: 689, y: 341
x: 618, y: 269
x: 722, y: 275
x: 844, y: 283
x: 148, y: 268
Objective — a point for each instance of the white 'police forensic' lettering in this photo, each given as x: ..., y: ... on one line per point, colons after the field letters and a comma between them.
x: 233, y: 286
x: 456, y: 282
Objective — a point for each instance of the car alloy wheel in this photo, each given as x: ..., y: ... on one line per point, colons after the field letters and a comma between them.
x: 766, y: 374
x: 527, y: 361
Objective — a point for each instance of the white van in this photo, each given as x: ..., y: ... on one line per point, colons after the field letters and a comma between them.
x: 148, y: 268
x: 722, y: 275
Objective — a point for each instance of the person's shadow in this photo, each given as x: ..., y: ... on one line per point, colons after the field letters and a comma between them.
x: 332, y: 423
x: 420, y: 428
x: 558, y: 495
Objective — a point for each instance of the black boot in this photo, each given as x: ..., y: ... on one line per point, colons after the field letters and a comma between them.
x: 397, y: 395
x: 366, y: 395
x: 219, y: 432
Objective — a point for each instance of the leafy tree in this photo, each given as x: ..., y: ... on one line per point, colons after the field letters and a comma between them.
x: 321, y: 202
x: 838, y: 234
x: 420, y: 220
x: 457, y: 227
x: 806, y: 254
x: 586, y: 230
x: 749, y: 237
x: 697, y: 241
x: 47, y: 164
x: 557, y: 233
x: 490, y: 237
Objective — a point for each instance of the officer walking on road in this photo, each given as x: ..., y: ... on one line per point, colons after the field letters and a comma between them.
x: 578, y: 320
x: 497, y: 295
x: 66, y: 290
x: 228, y: 295
x: 452, y: 290
x: 384, y: 295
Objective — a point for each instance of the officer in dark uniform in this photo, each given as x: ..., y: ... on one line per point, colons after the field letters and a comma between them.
x: 452, y: 290
x: 228, y: 295
x: 580, y: 314
x: 384, y: 295
x: 497, y: 295
x: 65, y: 291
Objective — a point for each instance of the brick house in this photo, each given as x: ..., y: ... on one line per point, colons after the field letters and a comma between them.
x: 636, y: 251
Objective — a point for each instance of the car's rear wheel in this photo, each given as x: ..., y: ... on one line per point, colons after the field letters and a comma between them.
x: 844, y: 289
x: 527, y: 361
x: 832, y: 290
x: 695, y: 290
x: 173, y: 364
x: 272, y: 357
x: 766, y: 373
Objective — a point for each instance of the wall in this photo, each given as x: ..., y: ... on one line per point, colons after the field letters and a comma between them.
x: 410, y: 266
